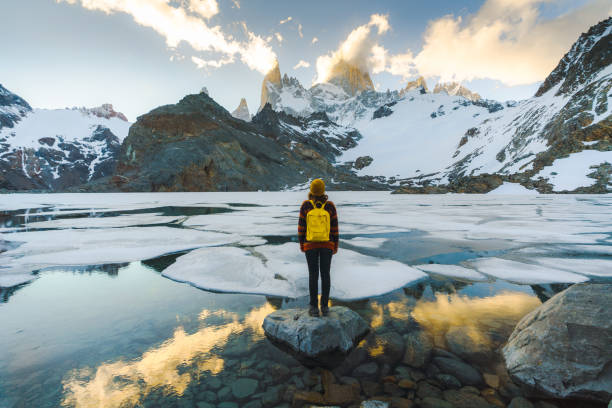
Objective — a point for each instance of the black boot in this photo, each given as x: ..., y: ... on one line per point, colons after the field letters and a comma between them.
x: 324, y: 310
x: 313, y: 311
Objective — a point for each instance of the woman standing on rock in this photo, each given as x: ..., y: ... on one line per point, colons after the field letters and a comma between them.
x: 318, y: 236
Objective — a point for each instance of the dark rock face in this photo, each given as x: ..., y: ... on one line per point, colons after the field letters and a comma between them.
x: 196, y: 145
x: 12, y: 108
x: 383, y: 111
x: 362, y: 161
x: 563, y: 348
x: 587, y: 56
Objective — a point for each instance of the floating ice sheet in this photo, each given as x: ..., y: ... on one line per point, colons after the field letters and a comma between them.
x: 365, y: 242
x: 593, y: 267
x: 454, y: 271
x: 520, y: 272
x: 104, y: 222
x: 281, y: 270
x: 43, y: 249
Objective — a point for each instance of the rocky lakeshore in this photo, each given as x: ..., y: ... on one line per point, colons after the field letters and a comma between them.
x: 401, y: 363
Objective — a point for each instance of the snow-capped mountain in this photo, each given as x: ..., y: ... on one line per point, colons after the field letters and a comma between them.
x: 455, y: 89
x: 242, y: 111
x: 57, y: 148
x: 558, y: 140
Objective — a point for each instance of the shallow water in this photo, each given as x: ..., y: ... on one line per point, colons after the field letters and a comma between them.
x: 121, y: 334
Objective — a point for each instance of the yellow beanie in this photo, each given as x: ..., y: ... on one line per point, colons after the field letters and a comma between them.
x: 317, y: 187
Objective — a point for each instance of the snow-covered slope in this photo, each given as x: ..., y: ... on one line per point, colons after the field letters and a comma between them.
x: 59, y: 148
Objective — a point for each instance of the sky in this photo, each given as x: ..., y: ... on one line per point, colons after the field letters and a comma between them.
x: 140, y: 54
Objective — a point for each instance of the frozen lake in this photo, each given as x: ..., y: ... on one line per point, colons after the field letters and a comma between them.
x: 101, y: 302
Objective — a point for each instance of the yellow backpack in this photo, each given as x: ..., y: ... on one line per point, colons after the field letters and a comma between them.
x: 318, y: 223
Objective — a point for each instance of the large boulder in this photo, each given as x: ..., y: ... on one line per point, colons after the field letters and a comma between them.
x: 323, y: 341
x: 564, y: 347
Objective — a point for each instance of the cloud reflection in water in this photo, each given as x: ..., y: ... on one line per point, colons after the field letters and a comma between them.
x: 125, y: 383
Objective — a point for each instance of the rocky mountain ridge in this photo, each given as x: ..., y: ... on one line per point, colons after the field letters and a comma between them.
x: 197, y: 145
x: 55, y: 149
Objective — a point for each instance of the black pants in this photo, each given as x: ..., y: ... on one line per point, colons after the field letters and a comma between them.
x: 314, y: 258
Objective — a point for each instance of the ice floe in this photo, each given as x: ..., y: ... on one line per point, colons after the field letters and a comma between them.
x: 593, y: 267
x: 365, y: 242
x: 520, y: 272
x: 43, y: 249
x: 280, y: 270
x: 455, y: 271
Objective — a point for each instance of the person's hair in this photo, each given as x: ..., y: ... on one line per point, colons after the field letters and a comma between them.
x: 322, y: 198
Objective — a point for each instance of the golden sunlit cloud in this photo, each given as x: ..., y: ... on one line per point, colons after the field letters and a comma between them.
x: 176, y: 25
x: 357, y: 49
x: 288, y: 19
x: 279, y: 37
x: 505, y: 40
x: 314, y: 40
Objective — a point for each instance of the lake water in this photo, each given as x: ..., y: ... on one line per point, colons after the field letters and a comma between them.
x: 92, y: 317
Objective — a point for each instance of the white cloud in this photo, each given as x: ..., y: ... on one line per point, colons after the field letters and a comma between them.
x: 300, y: 31
x: 302, y: 64
x: 314, y: 40
x: 288, y: 19
x: 258, y: 55
x: 201, y: 63
x: 360, y: 48
x: 279, y: 37
x: 176, y: 26
x: 236, y: 3
x: 205, y: 8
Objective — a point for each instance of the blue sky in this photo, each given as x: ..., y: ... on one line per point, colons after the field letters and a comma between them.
x: 84, y: 53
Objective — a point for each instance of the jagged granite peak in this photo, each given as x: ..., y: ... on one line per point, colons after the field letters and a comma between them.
x: 350, y: 78
x: 418, y: 83
x: 272, y: 79
x: 12, y: 108
x: 590, y: 54
x: 455, y: 88
x: 242, y: 111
